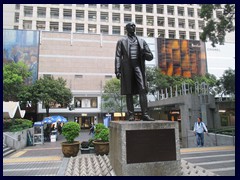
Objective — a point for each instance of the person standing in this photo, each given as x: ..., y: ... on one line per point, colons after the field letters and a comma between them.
x: 131, y: 53
x: 199, y: 129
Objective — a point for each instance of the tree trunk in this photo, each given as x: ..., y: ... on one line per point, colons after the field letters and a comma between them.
x: 47, y: 111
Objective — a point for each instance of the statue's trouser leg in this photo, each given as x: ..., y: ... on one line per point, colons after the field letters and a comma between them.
x: 130, y: 107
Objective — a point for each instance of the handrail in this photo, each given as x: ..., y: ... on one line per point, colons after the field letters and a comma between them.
x: 10, y: 136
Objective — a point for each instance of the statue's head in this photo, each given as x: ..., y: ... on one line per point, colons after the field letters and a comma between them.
x: 130, y: 27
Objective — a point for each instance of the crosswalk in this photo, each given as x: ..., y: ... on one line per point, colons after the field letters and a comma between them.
x: 219, y: 162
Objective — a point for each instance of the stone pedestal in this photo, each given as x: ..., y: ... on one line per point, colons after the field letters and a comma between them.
x: 142, y: 148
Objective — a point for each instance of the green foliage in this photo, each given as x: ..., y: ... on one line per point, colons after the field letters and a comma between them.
x: 101, y: 133
x: 70, y: 131
x: 84, y: 144
x: 90, y: 142
x: 15, y: 125
x: 14, y: 76
x: 216, y: 29
x: 226, y: 83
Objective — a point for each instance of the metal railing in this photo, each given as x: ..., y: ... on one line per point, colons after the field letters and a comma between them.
x: 5, y: 135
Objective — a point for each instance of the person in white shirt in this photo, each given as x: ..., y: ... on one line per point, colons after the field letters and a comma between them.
x: 199, y: 129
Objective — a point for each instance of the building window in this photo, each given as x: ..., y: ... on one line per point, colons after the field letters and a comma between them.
x: 160, y: 9
x: 170, y: 10
x: 190, y: 12
x: 92, y: 15
x: 54, y: 13
x: 116, y: 17
x: 160, y: 21
x: 182, y: 34
x: 150, y: 32
x: 104, y: 16
x: 198, y: 13
x: 53, y: 26
x: 149, y: 8
x: 41, y: 12
x: 17, y: 6
x: 40, y: 25
x: 78, y: 76
x: 104, y: 29
x: 139, y: 31
x: 27, y: 24
x: 180, y: 11
x: 161, y: 33
x: 150, y: 21
x: 28, y: 11
x: 16, y: 17
x: 200, y: 24
x: 116, y: 30
x: 171, y: 34
x: 67, y: 13
x: 79, y: 27
x: 181, y: 23
x: 138, y: 7
x: 127, y: 7
x: 127, y: 18
x: 192, y: 35
x: 92, y: 28
x: 139, y: 19
x: 219, y: 14
x: 104, y: 6
x: 116, y: 6
x: 80, y: 5
x: 171, y: 22
x: 67, y: 4
x: 67, y: 27
x: 191, y: 24
x: 15, y: 27
x: 80, y: 14
x: 92, y: 5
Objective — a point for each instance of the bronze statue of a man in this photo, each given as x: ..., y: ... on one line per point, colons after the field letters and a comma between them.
x: 131, y: 53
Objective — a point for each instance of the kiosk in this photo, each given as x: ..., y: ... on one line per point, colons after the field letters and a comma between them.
x: 38, y: 137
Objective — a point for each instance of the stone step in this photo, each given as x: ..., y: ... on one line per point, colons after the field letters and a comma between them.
x: 5, y: 149
x: 8, y: 152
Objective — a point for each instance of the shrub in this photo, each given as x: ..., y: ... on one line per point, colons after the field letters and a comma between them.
x: 103, y: 135
x: 90, y: 142
x: 16, y: 125
x: 70, y: 131
x: 84, y: 144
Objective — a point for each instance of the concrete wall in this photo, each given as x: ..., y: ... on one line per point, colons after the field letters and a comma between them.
x: 20, y: 138
x: 211, y: 140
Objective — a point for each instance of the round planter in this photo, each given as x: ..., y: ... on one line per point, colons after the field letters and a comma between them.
x: 70, y: 149
x: 101, y: 148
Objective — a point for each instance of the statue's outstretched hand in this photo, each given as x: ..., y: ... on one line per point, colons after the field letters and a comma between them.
x: 118, y: 75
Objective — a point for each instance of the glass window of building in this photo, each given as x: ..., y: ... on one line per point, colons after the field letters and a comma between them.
x: 192, y: 35
x: 80, y: 5
x: 172, y: 34
x: 104, y: 6
x: 191, y: 24
x: 40, y: 25
x: 17, y: 6
x: 171, y: 22
x: 41, y: 12
x: 79, y: 27
x: 104, y: 16
x: 67, y: 13
x: 149, y: 8
x: 138, y: 7
x: 150, y: 32
x: 54, y: 13
x: 15, y: 27
x: 170, y: 10
x: 160, y: 9
x: 54, y: 26
x: 92, y: 28
x: 92, y: 5
x: 67, y: 27
x: 200, y: 24
x: 139, y: 31
x: 127, y: 7
x: 198, y: 13
x: 28, y: 11
x: 67, y: 4
x: 190, y: 12
x: 181, y: 23
x: 160, y: 21
x: 182, y: 34
x: 79, y: 14
x: 16, y: 17
x: 116, y: 17
x: 161, y: 33
x: 116, y: 30
x: 180, y: 11
x: 139, y: 19
x: 27, y: 24
x: 127, y: 18
x: 150, y: 21
x: 104, y: 29
x: 92, y: 15
x: 219, y: 14
x: 116, y: 6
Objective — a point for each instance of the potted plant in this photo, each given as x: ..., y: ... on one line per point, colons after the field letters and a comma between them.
x: 70, y: 131
x: 101, y: 142
x: 91, y: 145
x: 85, y: 147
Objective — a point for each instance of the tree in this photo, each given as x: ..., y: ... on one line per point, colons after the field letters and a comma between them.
x: 14, y: 77
x: 48, y: 91
x: 226, y: 83
x: 215, y: 29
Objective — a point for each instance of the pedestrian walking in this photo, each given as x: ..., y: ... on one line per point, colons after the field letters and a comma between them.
x: 199, y: 129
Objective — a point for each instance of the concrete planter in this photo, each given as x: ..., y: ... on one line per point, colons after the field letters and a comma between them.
x: 70, y: 149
